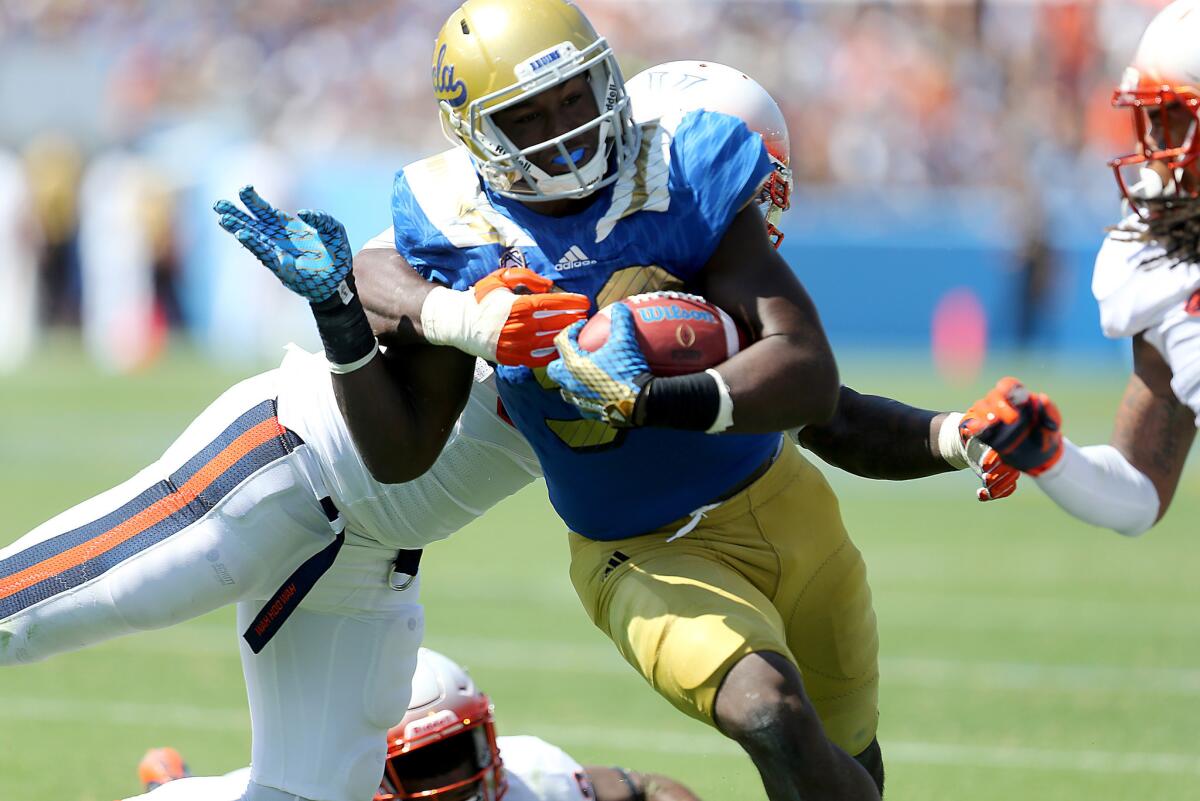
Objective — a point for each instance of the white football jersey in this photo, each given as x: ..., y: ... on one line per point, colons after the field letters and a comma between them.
x: 535, y: 770
x: 1161, y: 302
x: 485, y: 460
x: 539, y: 771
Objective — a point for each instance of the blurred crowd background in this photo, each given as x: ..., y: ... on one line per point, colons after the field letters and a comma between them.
x: 949, y: 156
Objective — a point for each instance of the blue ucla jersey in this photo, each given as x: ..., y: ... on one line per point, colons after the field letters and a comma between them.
x: 652, y: 229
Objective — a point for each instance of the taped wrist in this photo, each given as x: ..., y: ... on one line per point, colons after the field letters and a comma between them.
x: 691, y: 402
x: 459, y: 320
x: 344, y: 328
x: 950, y: 444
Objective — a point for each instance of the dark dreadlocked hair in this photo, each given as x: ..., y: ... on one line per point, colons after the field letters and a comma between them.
x: 1172, y: 225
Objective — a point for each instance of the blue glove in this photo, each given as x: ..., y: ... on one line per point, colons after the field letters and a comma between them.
x: 308, y: 252
x: 607, y: 383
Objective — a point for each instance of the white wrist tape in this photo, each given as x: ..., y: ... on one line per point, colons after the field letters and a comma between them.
x: 950, y: 443
x: 724, y: 419
x: 1099, y: 486
x: 342, y: 369
x: 454, y: 318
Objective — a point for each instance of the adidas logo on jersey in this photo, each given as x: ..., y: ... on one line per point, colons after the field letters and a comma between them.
x: 573, y: 259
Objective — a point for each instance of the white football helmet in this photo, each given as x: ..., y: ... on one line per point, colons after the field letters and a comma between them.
x: 681, y: 86
x: 494, y: 54
x: 446, y: 744
x: 1162, y: 89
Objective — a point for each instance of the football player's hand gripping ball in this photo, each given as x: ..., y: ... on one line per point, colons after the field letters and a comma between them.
x: 308, y: 252
x: 604, y: 384
x: 1024, y: 429
x: 510, y: 317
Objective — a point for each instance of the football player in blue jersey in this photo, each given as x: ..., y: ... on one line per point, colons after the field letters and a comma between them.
x: 718, y: 565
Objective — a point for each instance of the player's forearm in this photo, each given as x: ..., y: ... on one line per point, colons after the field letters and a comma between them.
x: 393, y: 294
x: 878, y: 437
x: 1098, y: 485
x: 781, y: 382
x: 401, y: 408
x: 661, y: 788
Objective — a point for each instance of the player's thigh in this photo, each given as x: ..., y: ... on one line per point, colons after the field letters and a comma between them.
x: 681, y: 617
x: 231, y: 787
x: 825, y: 603
x: 333, y: 680
x: 187, y: 535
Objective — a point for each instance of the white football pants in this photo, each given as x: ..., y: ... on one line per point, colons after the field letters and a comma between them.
x: 226, y: 516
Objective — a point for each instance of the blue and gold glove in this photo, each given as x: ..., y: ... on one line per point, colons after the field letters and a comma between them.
x: 308, y: 252
x: 604, y: 384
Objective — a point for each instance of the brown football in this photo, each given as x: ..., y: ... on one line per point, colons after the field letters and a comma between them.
x: 678, y: 333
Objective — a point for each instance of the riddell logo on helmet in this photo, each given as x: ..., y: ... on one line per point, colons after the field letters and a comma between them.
x: 444, y: 86
x: 428, y: 725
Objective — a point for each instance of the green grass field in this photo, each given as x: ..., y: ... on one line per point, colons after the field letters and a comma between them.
x: 1024, y: 655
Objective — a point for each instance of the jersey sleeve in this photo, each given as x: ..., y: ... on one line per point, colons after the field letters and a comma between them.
x: 420, y: 242
x: 539, y: 771
x: 724, y: 164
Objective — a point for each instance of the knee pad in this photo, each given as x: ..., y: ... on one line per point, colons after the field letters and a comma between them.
x: 323, y: 694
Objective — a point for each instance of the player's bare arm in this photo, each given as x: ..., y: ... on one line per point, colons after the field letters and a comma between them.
x: 616, y: 784
x: 1153, y: 430
x: 401, y: 411
x: 392, y: 294
x: 788, y: 376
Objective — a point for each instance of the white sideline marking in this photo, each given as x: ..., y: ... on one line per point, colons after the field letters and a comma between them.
x: 120, y: 713
x: 124, y: 713
x: 599, y: 658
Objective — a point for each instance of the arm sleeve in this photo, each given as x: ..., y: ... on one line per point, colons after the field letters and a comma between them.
x: 724, y: 164
x: 1099, y: 486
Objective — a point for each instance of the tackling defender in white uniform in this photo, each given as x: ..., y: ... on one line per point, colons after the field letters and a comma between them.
x: 262, y: 495
x: 446, y: 749
x: 1147, y: 282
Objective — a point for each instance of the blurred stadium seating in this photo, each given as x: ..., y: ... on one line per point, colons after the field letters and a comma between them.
x: 937, y: 145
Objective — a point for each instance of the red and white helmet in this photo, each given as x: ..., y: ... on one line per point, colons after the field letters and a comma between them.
x: 445, y: 748
x: 689, y: 85
x: 1162, y: 88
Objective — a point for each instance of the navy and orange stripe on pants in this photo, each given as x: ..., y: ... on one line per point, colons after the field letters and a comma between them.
x: 65, y: 561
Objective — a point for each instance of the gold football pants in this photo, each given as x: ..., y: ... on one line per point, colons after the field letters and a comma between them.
x: 770, y: 569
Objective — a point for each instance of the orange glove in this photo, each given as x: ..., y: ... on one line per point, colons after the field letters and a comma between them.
x: 510, y: 316
x: 999, y: 480
x: 1024, y: 429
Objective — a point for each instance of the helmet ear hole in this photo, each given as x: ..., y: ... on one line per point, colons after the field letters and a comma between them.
x: 465, y: 28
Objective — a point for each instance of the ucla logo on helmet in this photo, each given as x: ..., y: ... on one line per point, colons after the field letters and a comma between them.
x: 444, y: 85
